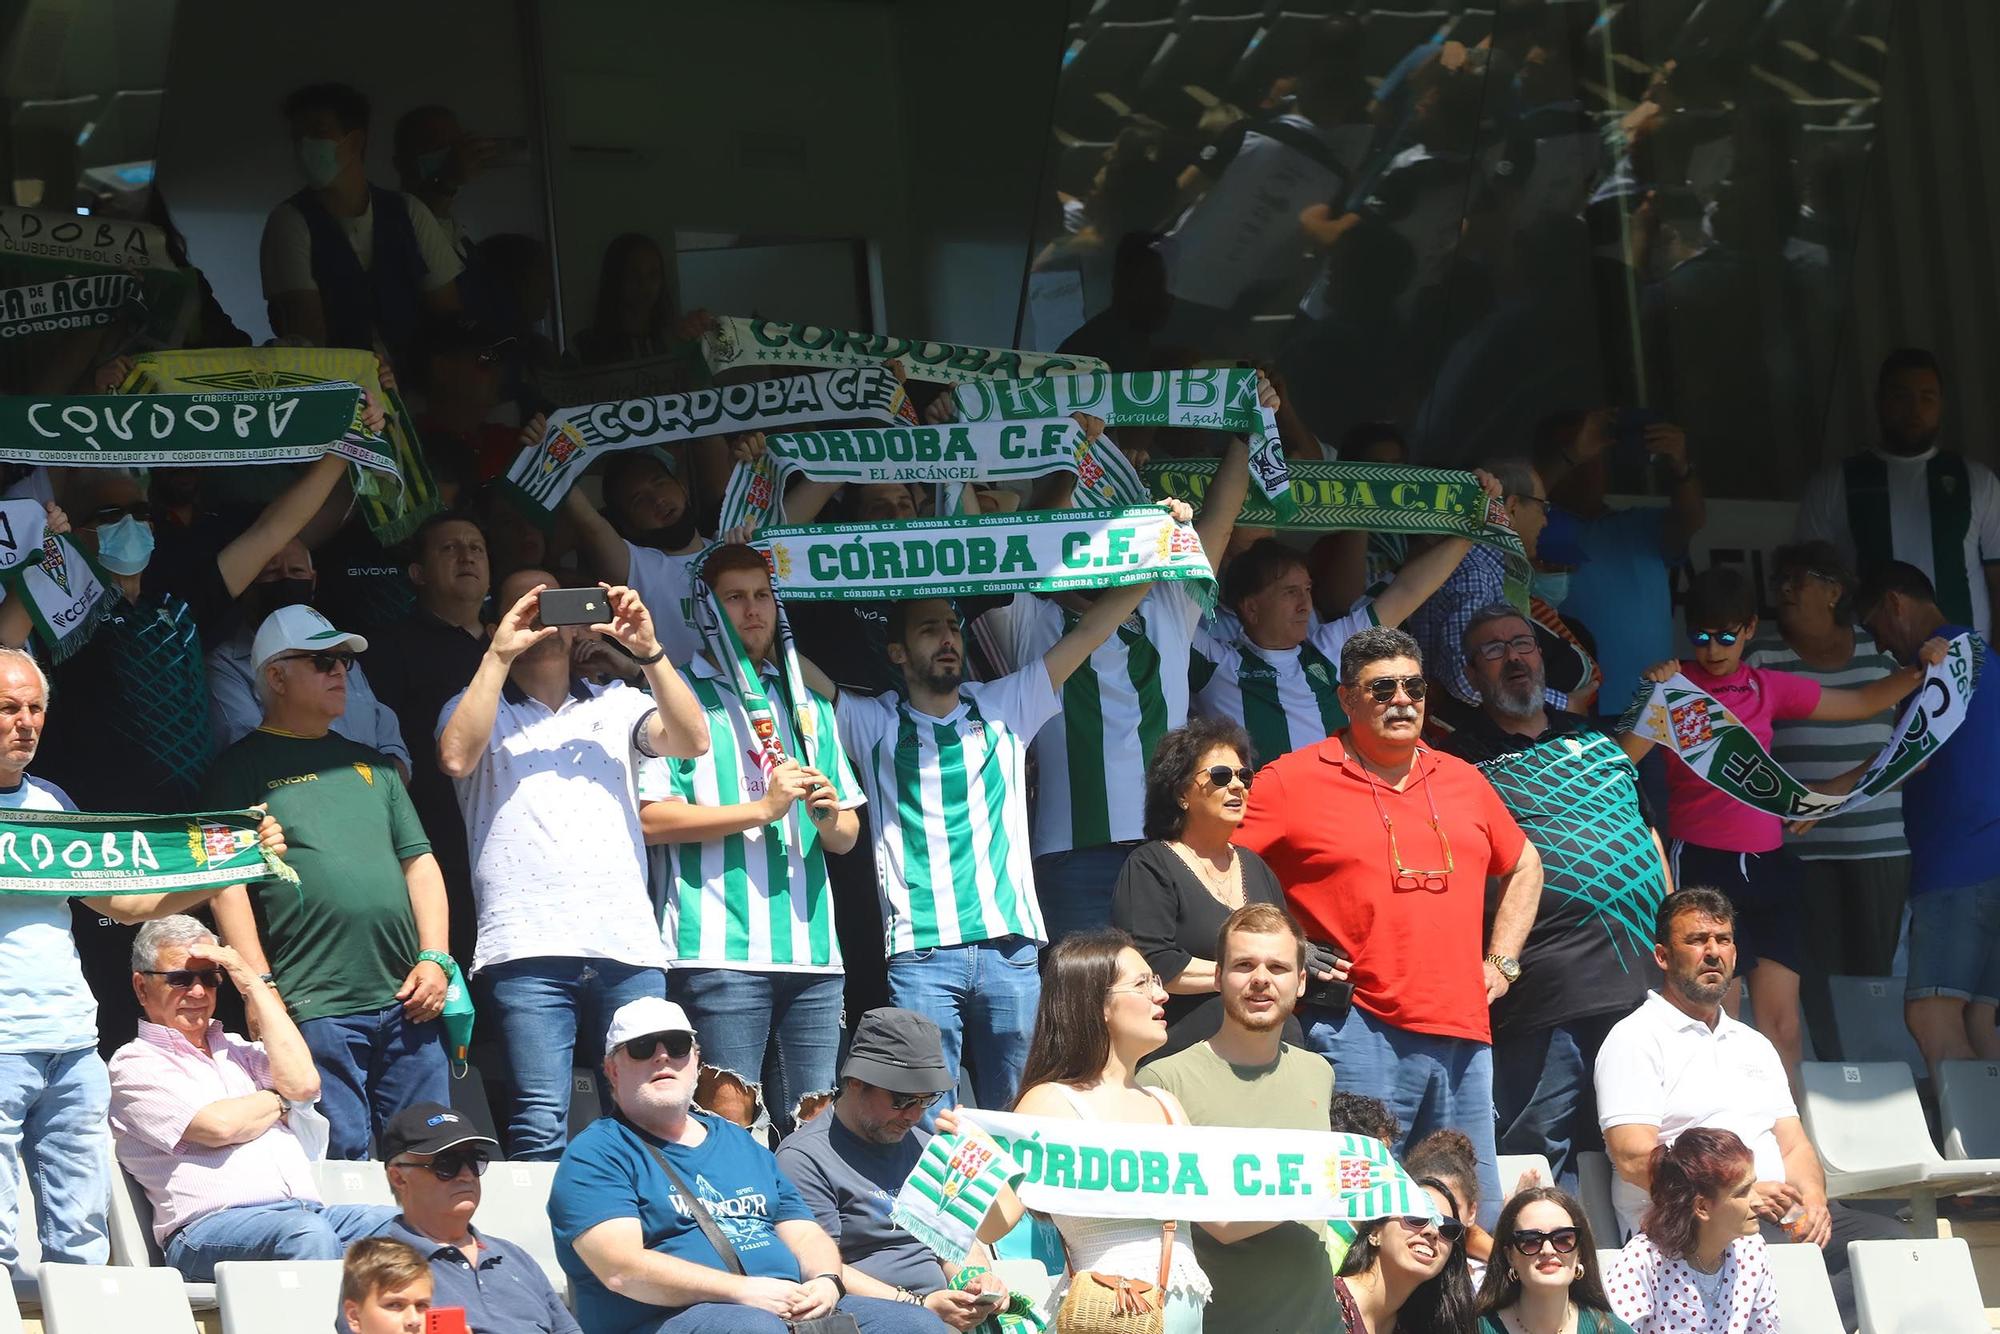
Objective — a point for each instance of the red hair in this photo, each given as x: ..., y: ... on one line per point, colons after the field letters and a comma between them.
x: 1700, y: 1164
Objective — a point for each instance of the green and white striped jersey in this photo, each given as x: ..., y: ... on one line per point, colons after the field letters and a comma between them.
x: 1091, y: 758
x: 950, y: 809
x: 747, y: 900
x: 1284, y: 698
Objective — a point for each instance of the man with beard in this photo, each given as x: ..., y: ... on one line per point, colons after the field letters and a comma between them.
x: 1679, y: 1061
x: 945, y: 771
x: 849, y: 1164
x: 644, y: 1248
x: 646, y: 537
x: 1266, y: 1277
x: 546, y: 768
x: 1408, y: 906
x: 1907, y: 500
x: 1577, y: 798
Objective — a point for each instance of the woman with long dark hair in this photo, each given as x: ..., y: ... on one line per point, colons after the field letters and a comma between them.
x: 1697, y: 1264
x: 635, y: 308
x: 1407, y: 1274
x: 1543, y: 1275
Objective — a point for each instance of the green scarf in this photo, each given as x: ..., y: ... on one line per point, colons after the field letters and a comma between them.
x: 1377, y: 497
x: 60, y: 586
x: 756, y: 342
x: 62, y: 304
x: 394, y: 507
x: 36, y: 246
x: 725, y: 649
x: 1728, y: 756
x: 73, y: 852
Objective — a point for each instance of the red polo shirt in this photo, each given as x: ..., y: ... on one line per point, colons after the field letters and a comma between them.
x: 1416, y: 952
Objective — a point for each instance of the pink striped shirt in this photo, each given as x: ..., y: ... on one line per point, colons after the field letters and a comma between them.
x: 159, y: 1081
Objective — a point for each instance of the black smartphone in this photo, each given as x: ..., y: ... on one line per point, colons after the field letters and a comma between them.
x: 1631, y: 432
x: 574, y: 606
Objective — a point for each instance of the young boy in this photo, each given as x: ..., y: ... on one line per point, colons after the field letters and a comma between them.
x: 385, y: 1288
x: 1719, y: 842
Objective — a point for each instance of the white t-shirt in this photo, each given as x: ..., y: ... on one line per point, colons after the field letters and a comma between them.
x: 45, y: 1005
x: 552, y: 825
x: 285, y: 256
x: 1662, y: 1067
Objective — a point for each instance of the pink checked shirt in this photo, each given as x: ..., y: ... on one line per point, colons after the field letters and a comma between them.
x: 1655, y: 1295
x: 159, y: 1081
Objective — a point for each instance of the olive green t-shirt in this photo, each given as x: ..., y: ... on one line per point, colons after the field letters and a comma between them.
x: 1280, y: 1281
x: 342, y: 940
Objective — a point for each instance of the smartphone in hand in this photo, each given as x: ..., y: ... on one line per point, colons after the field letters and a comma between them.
x: 574, y: 606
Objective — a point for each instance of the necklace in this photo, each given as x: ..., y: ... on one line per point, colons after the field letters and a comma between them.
x: 1567, y: 1325
x: 1225, y: 886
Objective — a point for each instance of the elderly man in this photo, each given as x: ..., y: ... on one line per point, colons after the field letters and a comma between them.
x: 54, y: 1094
x: 1678, y: 1061
x: 546, y: 769
x: 203, y: 1119
x: 435, y: 1157
x: 849, y: 1164
x: 646, y: 1250
x: 1585, y: 964
x: 358, y: 947
x: 1408, y: 906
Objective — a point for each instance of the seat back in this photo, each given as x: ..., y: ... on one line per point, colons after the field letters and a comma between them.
x: 1969, y: 1108
x: 94, y: 1299
x: 359, y: 1182
x: 468, y: 1097
x: 1868, y: 1021
x: 1593, y: 1184
x: 259, y: 1296
x: 1805, y: 1294
x: 131, y: 1224
x: 514, y: 1206
x: 1862, y: 1116
x: 27, y: 1229
x: 585, y: 1105
x: 1916, y: 1287
x: 1512, y: 1165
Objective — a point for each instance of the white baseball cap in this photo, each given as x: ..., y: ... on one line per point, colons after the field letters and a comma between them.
x: 644, y: 1017
x: 299, y: 629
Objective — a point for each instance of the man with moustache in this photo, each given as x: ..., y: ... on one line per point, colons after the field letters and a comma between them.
x: 1407, y: 905
x: 648, y: 1198
x: 1267, y: 1277
x: 1585, y: 964
x: 1679, y: 1061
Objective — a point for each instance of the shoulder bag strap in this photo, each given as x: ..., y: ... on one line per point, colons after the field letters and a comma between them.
x: 702, y: 1217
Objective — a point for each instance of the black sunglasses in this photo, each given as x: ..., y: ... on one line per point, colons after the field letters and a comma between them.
x: 678, y: 1045
x: 1220, y: 774
x: 1449, y: 1230
x: 323, y: 663
x: 1383, y: 688
x: 1530, y: 1242
x: 903, y: 1102
x: 447, y: 1165
x: 180, y: 979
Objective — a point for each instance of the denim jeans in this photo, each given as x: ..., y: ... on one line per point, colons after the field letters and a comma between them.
x: 873, y: 1314
x: 552, y: 1014
x: 1074, y: 887
x: 1429, y: 1082
x: 776, y: 1029
x: 1543, y: 1097
x: 980, y: 996
x: 53, y: 1121
x: 283, y: 1230
x: 372, y: 1066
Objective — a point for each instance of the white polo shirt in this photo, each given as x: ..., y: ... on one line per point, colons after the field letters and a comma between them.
x: 1661, y: 1067
x: 552, y: 825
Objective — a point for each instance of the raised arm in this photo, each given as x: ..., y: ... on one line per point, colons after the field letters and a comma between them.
x: 1224, y: 501
x: 1854, y: 703
x: 282, y: 520
x: 678, y: 726
x: 293, y: 1073
x: 463, y: 741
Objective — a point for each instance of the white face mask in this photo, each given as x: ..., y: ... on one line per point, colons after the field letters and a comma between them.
x: 319, y: 161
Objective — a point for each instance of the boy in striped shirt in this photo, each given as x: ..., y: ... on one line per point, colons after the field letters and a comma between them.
x: 748, y: 912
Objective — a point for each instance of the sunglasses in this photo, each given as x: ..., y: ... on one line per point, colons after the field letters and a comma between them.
x: 447, y: 1165
x: 1494, y: 650
x: 1383, y: 688
x: 1530, y: 1242
x: 180, y: 979
x: 1703, y: 638
x: 1449, y: 1230
x: 903, y: 1102
x: 678, y: 1045
x: 323, y: 663
x: 1220, y: 774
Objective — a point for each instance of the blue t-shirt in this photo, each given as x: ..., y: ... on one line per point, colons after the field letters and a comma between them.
x: 607, y: 1173
x: 45, y: 1004
x: 1951, y: 806
x: 1621, y: 596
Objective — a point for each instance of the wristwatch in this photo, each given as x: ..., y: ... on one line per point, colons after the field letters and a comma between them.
x: 1507, y: 966
x: 838, y: 1286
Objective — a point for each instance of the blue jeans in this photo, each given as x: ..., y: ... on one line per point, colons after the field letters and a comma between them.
x: 1074, y: 887
x: 552, y: 1013
x: 53, y: 1119
x: 1429, y: 1082
x: 784, y: 1025
x: 372, y: 1066
x: 284, y: 1230
x: 982, y: 994
x: 1543, y: 1097
x: 873, y: 1314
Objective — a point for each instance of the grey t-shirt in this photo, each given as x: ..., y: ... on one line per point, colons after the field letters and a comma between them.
x: 850, y: 1184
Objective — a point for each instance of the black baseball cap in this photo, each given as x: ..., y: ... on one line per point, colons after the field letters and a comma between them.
x: 430, y: 1127
x: 898, y: 1050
